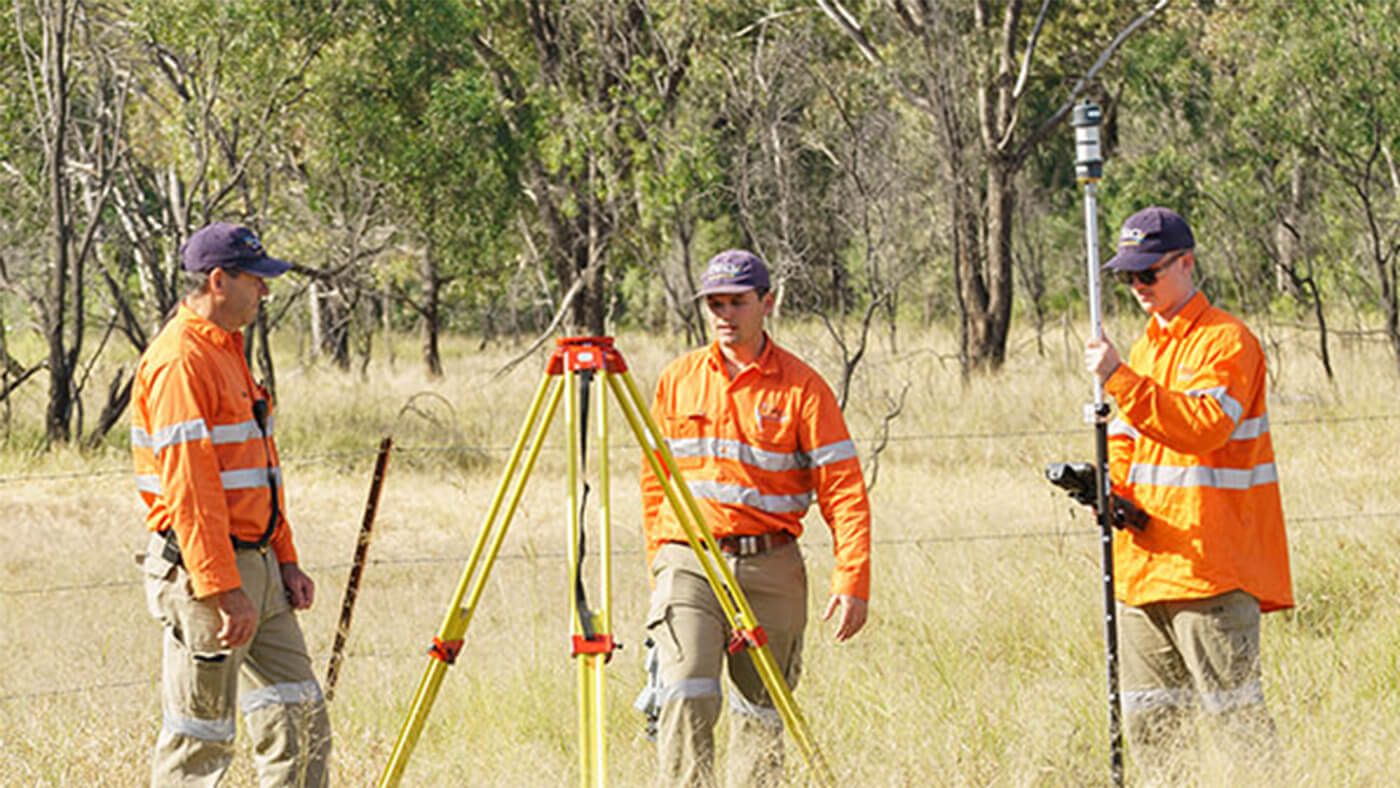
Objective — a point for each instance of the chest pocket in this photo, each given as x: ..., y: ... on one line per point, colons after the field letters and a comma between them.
x: 774, y: 425
x: 686, y: 426
x: 235, y: 429
x: 686, y: 434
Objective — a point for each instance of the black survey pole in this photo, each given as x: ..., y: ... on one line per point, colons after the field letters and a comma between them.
x: 1088, y: 167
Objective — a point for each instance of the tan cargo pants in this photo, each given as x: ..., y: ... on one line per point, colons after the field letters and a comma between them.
x: 281, y: 703
x: 688, y: 626
x: 1180, y: 656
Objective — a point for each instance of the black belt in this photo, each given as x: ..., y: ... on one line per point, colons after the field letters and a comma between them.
x: 171, y: 551
x: 753, y: 544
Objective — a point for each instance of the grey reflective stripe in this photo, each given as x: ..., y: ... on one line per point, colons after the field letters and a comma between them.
x: 205, y: 730
x: 1119, y: 427
x: 165, y: 437
x: 237, y: 433
x: 833, y: 452
x: 748, y: 496
x: 289, y: 693
x: 196, y: 429
x: 1249, y: 694
x: 1147, y: 700
x: 242, y: 479
x: 248, y: 478
x: 690, y: 688
x: 1201, y: 476
x: 1249, y: 429
x: 737, y: 450
x: 1229, y: 404
x: 765, y: 714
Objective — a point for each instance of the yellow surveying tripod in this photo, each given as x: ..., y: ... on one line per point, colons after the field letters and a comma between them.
x: 577, y: 361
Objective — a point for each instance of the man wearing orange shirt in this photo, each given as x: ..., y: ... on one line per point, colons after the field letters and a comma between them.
x: 221, y: 569
x: 757, y: 434
x: 1190, y: 446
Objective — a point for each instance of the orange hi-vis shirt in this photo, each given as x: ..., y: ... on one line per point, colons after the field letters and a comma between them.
x: 755, y: 450
x: 202, y: 462
x: 1191, y: 446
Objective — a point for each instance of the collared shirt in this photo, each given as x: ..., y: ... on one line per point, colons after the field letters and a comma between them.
x: 203, y: 464
x: 1192, y: 447
x: 755, y: 451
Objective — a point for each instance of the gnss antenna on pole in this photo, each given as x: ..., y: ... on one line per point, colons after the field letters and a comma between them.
x: 1088, y: 169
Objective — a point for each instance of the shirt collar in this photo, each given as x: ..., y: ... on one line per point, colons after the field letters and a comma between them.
x: 207, y: 328
x: 767, y: 361
x: 1182, y: 321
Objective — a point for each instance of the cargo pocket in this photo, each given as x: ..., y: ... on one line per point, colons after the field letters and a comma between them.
x: 658, y: 620
x: 201, y: 686
x: 159, y: 574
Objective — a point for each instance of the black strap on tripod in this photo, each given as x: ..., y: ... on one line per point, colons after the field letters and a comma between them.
x: 585, y: 615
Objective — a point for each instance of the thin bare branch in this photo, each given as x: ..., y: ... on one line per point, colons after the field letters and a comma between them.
x: 1050, y: 123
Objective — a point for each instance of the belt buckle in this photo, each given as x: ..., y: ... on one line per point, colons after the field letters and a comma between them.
x: 750, y: 545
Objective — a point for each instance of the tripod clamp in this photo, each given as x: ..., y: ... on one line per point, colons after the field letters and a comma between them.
x: 445, y: 651
x: 597, y: 644
x: 741, y: 639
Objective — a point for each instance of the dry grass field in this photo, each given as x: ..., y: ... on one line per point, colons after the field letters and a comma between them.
x: 982, y: 664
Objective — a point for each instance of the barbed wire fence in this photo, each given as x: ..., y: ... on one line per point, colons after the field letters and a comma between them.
x: 429, y: 560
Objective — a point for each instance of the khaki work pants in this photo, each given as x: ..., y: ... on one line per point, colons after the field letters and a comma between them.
x: 282, y: 703
x: 1180, y: 656
x: 691, y: 634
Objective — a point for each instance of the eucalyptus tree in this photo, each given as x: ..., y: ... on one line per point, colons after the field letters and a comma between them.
x: 996, y: 82
x: 582, y: 85
x: 410, y: 124
x: 815, y: 163
x: 216, y: 132
x: 60, y: 162
x: 1317, y: 85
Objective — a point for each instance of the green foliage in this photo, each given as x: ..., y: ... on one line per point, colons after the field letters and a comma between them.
x: 475, y: 148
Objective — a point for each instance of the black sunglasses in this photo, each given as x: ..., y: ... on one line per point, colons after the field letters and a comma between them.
x: 1147, y: 276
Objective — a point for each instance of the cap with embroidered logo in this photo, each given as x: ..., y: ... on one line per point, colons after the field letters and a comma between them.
x: 733, y: 271
x: 224, y: 245
x: 1147, y: 236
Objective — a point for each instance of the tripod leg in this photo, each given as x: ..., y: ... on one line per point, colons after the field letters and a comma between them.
x: 722, y: 581
x: 487, y: 547
x: 592, y: 631
x: 584, y: 623
x: 605, y: 624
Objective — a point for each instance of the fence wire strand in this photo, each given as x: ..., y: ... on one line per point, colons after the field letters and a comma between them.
x: 328, y: 457
x: 532, y: 555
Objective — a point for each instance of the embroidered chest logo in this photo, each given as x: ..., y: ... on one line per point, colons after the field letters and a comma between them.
x: 763, y: 415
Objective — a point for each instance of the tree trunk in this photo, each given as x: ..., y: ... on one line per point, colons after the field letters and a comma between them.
x: 1001, y: 204
x: 58, y: 415
x: 431, y: 315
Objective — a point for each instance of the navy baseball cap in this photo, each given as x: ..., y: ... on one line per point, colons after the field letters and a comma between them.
x: 1147, y: 236
x: 733, y: 271
x: 224, y: 245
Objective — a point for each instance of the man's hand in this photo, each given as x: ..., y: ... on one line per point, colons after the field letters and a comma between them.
x: 238, y: 619
x: 301, y: 592
x: 852, y: 618
x: 1101, y: 358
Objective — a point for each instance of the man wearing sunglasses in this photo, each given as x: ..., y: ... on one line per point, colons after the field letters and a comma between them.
x: 1191, y: 446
